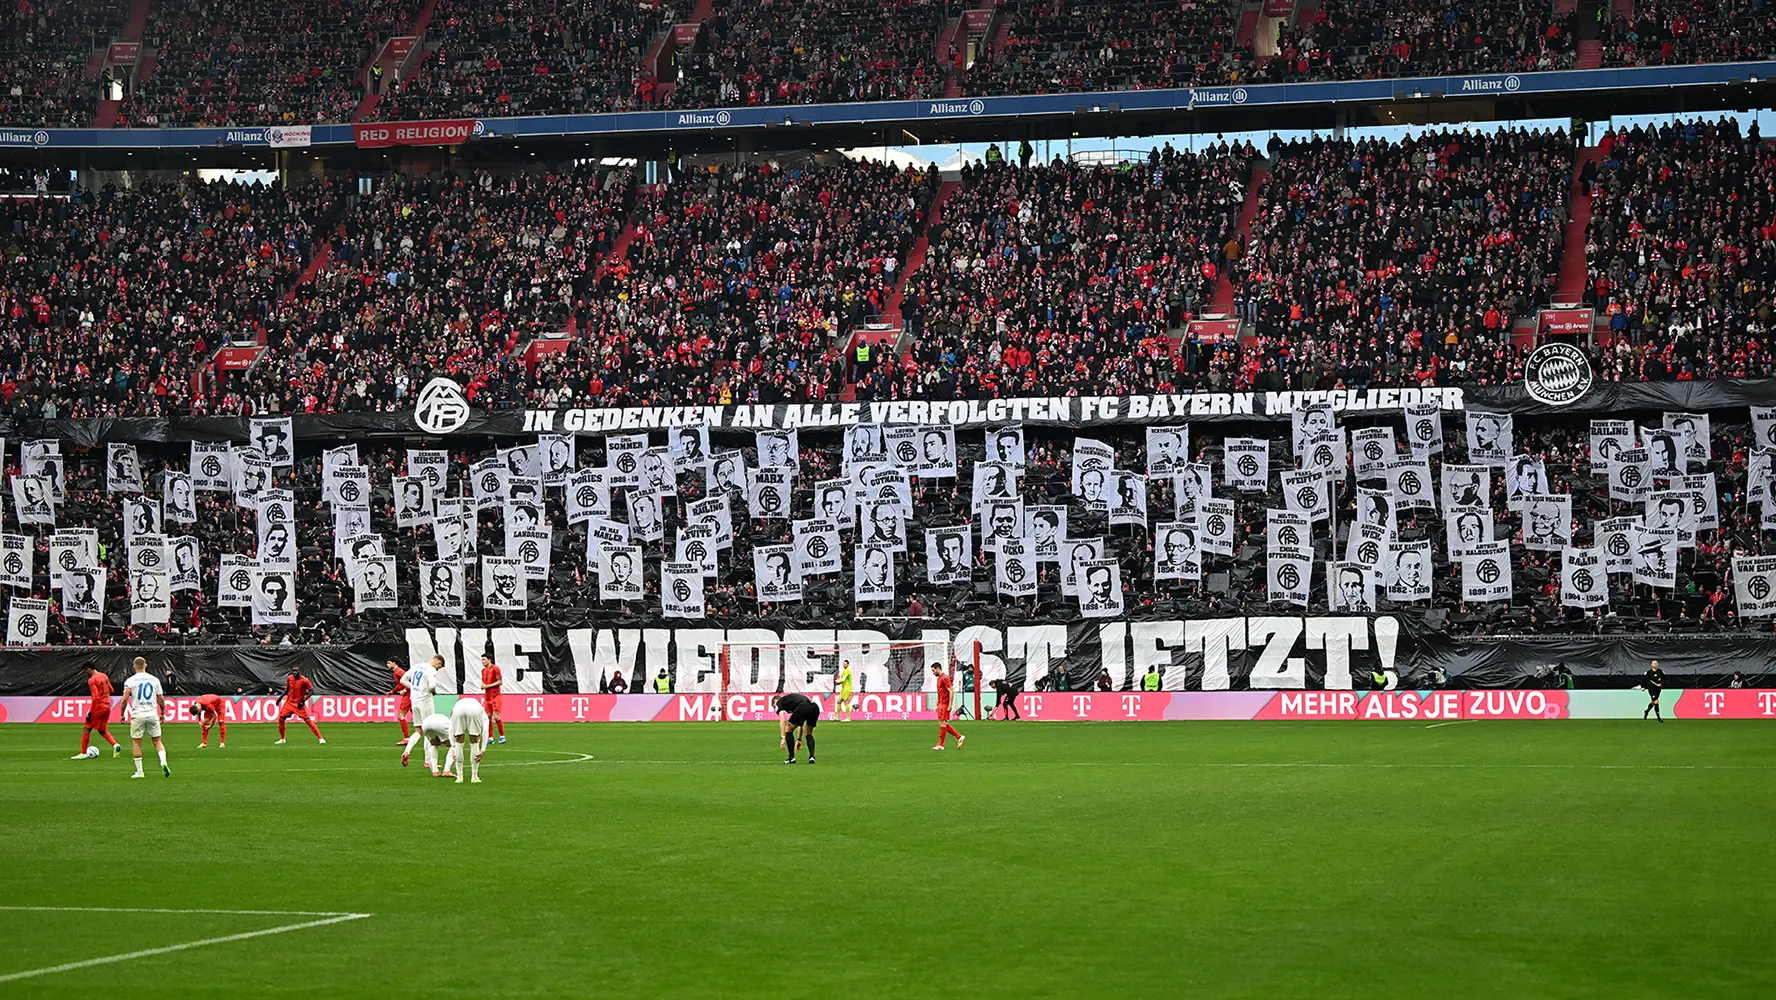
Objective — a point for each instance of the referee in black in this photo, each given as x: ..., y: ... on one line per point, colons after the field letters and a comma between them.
x: 1654, y: 684
x: 797, y: 712
x: 1007, y: 698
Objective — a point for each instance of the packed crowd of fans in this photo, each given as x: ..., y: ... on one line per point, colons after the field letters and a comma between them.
x: 534, y: 57
x: 249, y: 62
x: 1672, y: 32
x: 740, y: 280
x: 46, y: 48
x: 438, y: 276
x: 1050, y: 278
x: 792, y: 52
x: 258, y: 62
x: 1365, y: 39
x: 1229, y: 585
x: 1366, y: 264
x: 1060, y: 46
x: 1682, y: 243
x: 112, y: 299
x: 1393, y: 262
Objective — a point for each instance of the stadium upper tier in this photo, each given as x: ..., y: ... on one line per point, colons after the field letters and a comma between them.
x: 1329, y: 264
x: 248, y: 62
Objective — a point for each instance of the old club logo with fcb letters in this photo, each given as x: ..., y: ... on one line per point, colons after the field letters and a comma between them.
x: 441, y: 408
x: 1557, y: 374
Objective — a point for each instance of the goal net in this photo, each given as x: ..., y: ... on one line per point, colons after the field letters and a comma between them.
x: 889, y: 679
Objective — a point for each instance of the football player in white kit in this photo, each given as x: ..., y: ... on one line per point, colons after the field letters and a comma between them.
x: 146, y: 703
x: 468, y: 728
x: 435, y: 730
x: 467, y: 723
x: 422, y: 680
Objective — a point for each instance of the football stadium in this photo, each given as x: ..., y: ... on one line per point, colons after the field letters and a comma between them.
x: 1004, y: 498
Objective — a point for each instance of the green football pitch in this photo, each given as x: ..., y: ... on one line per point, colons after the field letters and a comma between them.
x: 1491, y: 859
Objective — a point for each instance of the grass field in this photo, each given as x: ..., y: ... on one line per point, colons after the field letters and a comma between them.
x: 1493, y: 859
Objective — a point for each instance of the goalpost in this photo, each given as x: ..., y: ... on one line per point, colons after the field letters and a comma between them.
x: 895, y: 670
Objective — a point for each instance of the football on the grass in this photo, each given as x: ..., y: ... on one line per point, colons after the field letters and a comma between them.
x: 92, y: 751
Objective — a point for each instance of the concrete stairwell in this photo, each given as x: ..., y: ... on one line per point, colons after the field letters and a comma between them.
x: 619, y: 247
x: 1223, y: 302
x: 675, y: 37
x: 1588, y: 50
x: 135, y: 22
x: 397, y: 61
x: 321, y: 258
x: 1574, y: 265
x: 940, y: 57
x: 916, y: 256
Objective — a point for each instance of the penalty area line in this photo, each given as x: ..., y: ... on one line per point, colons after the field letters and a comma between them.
x: 168, y: 949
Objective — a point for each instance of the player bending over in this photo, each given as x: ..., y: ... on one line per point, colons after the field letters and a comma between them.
x: 491, y: 683
x: 797, y: 714
x: 404, y: 709
x: 435, y: 730
x: 1007, y: 700
x: 209, y: 709
x: 146, y: 703
x: 98, y: 716
x: 842, y: 706
x: 297, y: 688
x: 945, y: 688
x: 468, y: 722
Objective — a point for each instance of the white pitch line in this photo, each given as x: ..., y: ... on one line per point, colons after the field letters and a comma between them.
x: 1226, y: 764
x: 151, y: 952
x: 1457, y: 722
x: 160, y: 909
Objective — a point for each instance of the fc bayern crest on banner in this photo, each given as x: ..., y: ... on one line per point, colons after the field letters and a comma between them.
x: 1557, y: 374
x: 441, y: 407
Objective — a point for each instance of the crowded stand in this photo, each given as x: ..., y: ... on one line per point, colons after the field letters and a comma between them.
x: 742, y: 281
x: 1064, y: 46
x: 1190, y: 530
x: 791, y: 52
x: 250, y: 63
x: 538, y: 57
x: 253, y: 62
x: 1063, y: 277
x: 111, y: 299
x: 1674, y: 32
x: 1680, y: 249
x: 1401, y: 263
x: 45, y: 48
x: 1366, y: 39
x: 440, y: 275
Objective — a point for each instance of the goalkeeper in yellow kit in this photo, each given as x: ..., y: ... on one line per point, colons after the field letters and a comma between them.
x: 842, y: 703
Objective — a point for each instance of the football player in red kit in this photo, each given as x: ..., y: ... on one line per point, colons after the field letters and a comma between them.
x: 945, y: 687
x: 209, y: 709
x: 296, y: 691
x: 491, y: 682
x: 98, y: 715
x: 403, y: 710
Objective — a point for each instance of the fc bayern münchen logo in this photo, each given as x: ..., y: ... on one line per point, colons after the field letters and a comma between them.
x: 1557, y: 374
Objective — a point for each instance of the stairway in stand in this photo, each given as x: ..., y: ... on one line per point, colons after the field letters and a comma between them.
x: 1223, y: 302
x: 1574, y: 266
x: 916, y: 256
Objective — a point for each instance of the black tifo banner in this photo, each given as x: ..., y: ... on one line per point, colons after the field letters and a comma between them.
x: 1248, y: 653
x: 1056, y: 411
